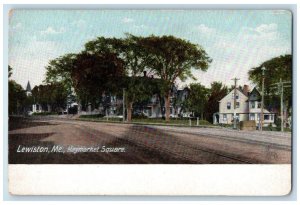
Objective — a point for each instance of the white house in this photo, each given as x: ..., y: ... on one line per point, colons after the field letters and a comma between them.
x: 248, y: 107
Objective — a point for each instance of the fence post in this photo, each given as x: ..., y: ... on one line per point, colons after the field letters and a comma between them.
x: 197, y: 121
x: 190, y: 121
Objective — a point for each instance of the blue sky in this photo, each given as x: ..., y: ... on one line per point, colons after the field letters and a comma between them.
x: 236, y: 40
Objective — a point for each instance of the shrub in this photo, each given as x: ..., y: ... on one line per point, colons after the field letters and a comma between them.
x: 139, y: 116
x: 92, y: 116
x: 43, y: 113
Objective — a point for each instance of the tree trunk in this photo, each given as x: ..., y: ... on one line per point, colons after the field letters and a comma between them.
x: 167, y: 106
x: 129, y: 111
x: 161, y: 106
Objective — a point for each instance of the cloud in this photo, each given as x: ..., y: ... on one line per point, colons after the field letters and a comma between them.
x: 266, y: 28
x: 261, y: 29
x: 80, y: 23
x: 234, y: 54
x: 142, y: 26
x: 17, y: 26
x: 51, y: 30
x: 263, y: 32
x: 127, y: 20
x: 205, y: 29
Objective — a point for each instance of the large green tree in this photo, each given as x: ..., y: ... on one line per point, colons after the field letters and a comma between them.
x: 134, y: 61
x: 197, y: 99
x: 217, y: 91
x: 54, y: 94
x: 97, y: 76
x: 17, y: 99
x: 276, y: 68
x: 171, y: 58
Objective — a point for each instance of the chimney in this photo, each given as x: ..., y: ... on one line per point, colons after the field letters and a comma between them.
x: 145, y: 73
x: 246, y: 90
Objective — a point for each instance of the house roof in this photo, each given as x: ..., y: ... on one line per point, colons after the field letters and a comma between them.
x: 254, y: 95
x: 238, y: 90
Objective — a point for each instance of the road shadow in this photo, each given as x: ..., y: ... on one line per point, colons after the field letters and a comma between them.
x: 15, y: 123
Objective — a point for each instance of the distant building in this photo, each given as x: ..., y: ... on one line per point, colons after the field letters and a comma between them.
x: 28, y: 89
x: 248, y: 107
x: 36, y: 107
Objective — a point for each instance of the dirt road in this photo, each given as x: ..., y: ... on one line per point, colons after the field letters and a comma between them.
x: 78, y: 142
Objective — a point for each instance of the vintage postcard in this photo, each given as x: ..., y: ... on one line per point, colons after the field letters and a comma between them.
x: 111, y: 91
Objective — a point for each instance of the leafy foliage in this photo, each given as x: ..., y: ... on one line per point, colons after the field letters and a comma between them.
x: 9, y: 71
x: 197, y: 99
x: 17, y: 98
x: 171, y: 58
x: 276, y: 68
x: 216, y: 93
x: 59, y: 70
x: 96, y: 75
x: 53, y: 94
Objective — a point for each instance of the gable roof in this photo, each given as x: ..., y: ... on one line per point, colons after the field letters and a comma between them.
x: 238, y: 91
x: 254, y: 95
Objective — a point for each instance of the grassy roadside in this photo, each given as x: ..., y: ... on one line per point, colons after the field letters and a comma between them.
x: 161, y: 122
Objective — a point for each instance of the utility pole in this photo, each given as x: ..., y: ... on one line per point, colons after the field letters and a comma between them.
x: 262, y: 99
x: 123, y: 104
x: 280, y: 86
x: 234, y: 103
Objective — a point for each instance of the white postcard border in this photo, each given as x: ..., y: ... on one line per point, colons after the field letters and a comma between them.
x: 212, y: 180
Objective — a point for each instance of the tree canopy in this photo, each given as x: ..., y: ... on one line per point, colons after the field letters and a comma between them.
x: 110, y: 64
x: 134, y: 60
x: 171, y: 58
x: 94, y: 75
x: 17, y: 99
x: 197, y: 99
x: 216, y: 92
x: 54, y: 94
x: 276, y: 68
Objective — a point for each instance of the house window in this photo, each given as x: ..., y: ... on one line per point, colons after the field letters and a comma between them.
x: 228, y: 105
x: 237, y: 116
x: 258, y: 116
x: 272, y: 117
x: 252, y: 116
x: 259, y: 105
x: 225, y: 117
x: 237, y: 104
x: 266, y: 117
x: 236, y: 96
x: 252, y: 104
